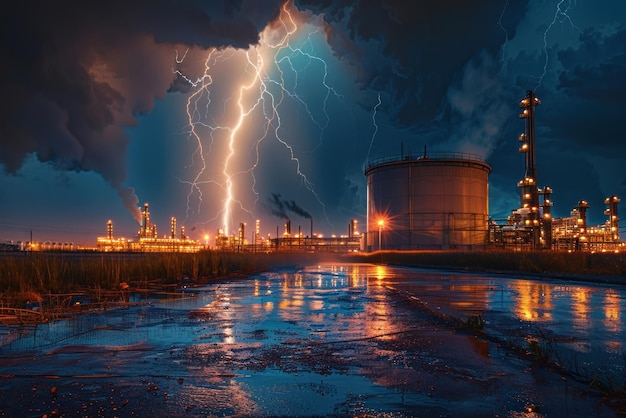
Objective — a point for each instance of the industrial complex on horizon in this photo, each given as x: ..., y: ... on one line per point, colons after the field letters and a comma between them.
x: 424, y: 202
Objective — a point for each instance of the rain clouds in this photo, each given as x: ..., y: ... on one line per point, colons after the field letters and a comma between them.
x: 77, y: 75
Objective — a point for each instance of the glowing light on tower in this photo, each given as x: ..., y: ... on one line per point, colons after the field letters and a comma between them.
x: 253, y: 110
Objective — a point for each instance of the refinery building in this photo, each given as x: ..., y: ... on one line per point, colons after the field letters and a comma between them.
x: 440, y: 202
x: 424, y: 201
x: 429, y: 201
x: 148, y: 239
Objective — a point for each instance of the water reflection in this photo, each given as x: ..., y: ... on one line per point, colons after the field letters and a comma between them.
x: 348, y: 340
x: 588, y: 314
x: 612, y: 309
x: 585, y: 319
x: 534, y: 301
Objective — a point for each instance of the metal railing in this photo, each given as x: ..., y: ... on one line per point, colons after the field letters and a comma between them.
x: 464, y: 156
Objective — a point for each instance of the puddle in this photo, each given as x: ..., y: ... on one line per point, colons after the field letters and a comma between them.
x: 328, y: 340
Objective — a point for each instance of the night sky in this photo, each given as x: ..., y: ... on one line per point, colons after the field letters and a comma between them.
x: 222, y: 112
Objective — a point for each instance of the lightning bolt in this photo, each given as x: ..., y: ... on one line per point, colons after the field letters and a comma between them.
x: 201, y: 85
x: 259, y: 98
x: 375, y: 126
x: 506, y: 37
x: 311, y: 57
x: 560, y: 15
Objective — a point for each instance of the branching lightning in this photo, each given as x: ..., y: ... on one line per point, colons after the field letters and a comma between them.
x: 560, y: 15
x: 258, y: 98
x: 375, y: 126
x: 311, y: 57
x: 506, y: 37
x: 201, y: 86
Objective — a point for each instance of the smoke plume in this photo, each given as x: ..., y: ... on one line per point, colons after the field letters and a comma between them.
x: 293, y: 207
x: 77, y: 74
x: 276, y: 206
x: 279, y: 207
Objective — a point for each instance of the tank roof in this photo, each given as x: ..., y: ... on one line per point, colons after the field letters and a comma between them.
x: 437, y: 156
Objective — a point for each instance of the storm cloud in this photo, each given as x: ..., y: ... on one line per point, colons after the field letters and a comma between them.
x: 78, y: 76
x: 78, y: 73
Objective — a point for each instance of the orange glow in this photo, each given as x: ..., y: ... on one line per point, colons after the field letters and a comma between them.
x: 245, y: 77
x: 581, y: 308
x: 381, y: 272
x: 534, y: 302
x: 612, y: 321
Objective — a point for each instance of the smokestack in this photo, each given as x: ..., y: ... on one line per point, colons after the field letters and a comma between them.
x: 242, y: 233
x: 110, y: 229
x: 528, y: 186
x: 352, y: 229
x: 173, y: 228
x: 145, y: 222
x: 546, y: 223
x: 611, y: 211
x: 311, y: 227
x: 581, y: 208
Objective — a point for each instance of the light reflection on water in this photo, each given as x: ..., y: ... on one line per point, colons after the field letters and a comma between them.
x: 582, y: 322
x: 579, y: 309
x: 590, y: 316
x: 584, y: 312
x: 230, y: 340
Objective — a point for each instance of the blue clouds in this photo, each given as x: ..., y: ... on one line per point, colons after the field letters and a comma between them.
x: 80, y: 80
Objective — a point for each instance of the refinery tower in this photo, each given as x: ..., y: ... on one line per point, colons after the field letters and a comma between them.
x: 440, y: 202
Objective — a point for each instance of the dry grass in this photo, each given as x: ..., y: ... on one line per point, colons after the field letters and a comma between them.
x: 26, y: 277
x: 49, y: 282
x: 21, y: 273
x: 67, y: 272
x: 544, y: 262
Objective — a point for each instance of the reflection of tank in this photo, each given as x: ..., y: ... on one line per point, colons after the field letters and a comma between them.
x: 437, y: 201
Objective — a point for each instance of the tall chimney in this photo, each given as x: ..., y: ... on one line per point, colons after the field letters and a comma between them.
x: 145, y: 221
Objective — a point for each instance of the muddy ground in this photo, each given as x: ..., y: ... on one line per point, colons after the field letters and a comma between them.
x: 313, y: 342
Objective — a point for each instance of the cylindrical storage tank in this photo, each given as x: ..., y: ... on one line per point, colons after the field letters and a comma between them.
x: 439, y: 201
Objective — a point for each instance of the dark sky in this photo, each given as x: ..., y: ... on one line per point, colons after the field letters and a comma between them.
x: 222, y: 112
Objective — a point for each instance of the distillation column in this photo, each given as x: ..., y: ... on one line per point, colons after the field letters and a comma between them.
x: 613, y: 221
x: 528, y: 186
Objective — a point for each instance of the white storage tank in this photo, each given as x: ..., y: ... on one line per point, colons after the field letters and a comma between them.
x: 436, y: 201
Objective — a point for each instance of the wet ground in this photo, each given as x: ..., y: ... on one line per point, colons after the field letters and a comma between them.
x: 331, y: 340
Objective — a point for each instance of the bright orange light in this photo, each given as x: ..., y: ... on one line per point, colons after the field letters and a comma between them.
x: 381, y: 223
x: 253, y: 94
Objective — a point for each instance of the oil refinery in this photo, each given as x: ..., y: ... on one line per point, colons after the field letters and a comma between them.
x: 532, y: 227
x: 149, y: 241
x: 440, y: 202
x: 430, y: 201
